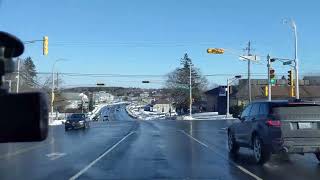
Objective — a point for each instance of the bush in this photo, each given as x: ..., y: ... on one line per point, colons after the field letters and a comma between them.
x: 236, y: 110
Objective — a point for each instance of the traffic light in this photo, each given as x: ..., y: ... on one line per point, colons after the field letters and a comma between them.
x: 272, y: 76
x: 290, y: 78
x: 215, y: 51
x: 100, y: 84
x: 45, y: 45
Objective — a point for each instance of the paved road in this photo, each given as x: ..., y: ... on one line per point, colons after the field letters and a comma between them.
x: 124, y: 148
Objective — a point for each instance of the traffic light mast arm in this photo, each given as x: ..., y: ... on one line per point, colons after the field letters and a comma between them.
x: 283, y: 60
x: 32, y: 41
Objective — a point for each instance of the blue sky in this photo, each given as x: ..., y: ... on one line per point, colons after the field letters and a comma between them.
x: 149, y: 37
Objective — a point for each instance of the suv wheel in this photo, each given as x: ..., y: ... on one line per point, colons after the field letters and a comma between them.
x: 233, y: 147
x: 317, y: 155
x: 261, y: 153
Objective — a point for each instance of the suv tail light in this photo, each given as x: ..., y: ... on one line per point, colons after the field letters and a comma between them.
x: 273, y: 123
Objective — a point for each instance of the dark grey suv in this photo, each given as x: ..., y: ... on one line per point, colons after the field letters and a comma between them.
x: 276, y: 126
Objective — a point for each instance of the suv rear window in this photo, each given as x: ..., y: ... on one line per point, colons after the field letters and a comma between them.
x: 296, y: 111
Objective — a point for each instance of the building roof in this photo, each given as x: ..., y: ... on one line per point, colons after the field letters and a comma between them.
x: 161, y: 101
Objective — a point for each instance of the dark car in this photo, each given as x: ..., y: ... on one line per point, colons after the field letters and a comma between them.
x: 276, y: 127
x: 76, y: 121
x: 105, y: 118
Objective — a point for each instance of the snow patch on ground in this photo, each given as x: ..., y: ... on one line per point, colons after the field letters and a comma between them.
x: 137, y: 111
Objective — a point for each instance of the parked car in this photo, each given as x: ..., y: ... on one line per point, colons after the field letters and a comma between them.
x: 276, y: 126
x: 77, y: 121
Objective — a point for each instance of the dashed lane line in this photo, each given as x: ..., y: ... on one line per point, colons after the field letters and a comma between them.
x: 99, y: 158
x: 235, y: 164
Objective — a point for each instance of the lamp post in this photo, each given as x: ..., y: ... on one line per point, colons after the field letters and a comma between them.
x: 296, y: 61
x: 229, y: 81
x: 190, y: 87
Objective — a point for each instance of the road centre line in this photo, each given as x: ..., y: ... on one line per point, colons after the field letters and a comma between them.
x: 99, y: 158
x: 235, y: 164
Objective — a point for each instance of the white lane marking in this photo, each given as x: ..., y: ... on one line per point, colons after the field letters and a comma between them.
x: 235, y: 164
x: 23, y: 150
x: 55, y: 155
x: 100, y: 157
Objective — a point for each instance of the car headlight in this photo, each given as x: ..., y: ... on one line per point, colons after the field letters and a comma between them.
x: 81, y: 122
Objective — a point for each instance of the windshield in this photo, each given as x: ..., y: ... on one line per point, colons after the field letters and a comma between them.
x: 153, y: 89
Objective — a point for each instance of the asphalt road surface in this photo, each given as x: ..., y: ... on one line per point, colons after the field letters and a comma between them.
x: 125, y: 148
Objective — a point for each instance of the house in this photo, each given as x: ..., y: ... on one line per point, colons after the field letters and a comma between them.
x: 103, y: 97
x: 217, y: 99
x: 163, y: 106
x: 70, y: 102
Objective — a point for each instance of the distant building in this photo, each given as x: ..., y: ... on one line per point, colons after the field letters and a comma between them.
x: 162, y: 106
x: 144, y: 95
x: 103, y: 97
x: 217, y: 101
x: 71, y: 102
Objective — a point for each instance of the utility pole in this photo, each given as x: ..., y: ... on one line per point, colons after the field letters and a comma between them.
x: 296, y: 65
x: 190, y: 87
x: 57, y: 79
x: 18, y: 75
x: 248, y: 49
x: 57, y: 86
x: 269, y: 79
x: 52, y: 93
x: 227, y: 90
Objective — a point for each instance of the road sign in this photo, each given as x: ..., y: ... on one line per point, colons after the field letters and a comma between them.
x: 250, y: 58
x: 287, y: 63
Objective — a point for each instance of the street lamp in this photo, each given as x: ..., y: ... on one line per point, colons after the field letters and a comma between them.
x: 296, y: 61
x: 229, y: 81
x: 52, y: 88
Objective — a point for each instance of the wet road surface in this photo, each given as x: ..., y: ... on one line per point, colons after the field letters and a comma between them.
x: 125, y: 148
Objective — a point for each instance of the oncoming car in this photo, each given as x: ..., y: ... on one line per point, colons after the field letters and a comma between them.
x: 77, y: 121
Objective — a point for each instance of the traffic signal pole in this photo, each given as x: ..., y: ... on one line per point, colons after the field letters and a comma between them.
x: 269, y: 79
x: 296, y: 65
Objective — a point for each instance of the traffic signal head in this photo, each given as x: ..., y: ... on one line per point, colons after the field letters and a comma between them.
x: 215, y: 51
x: 290, y: 78
x: 271, y: 72
x: 45, y: 45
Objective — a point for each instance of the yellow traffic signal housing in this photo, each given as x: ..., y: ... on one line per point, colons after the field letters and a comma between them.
x: 215, y: 51
x: 266, y: 91
x: 272, y: 75
x: 290, y: 78
x: 45, y: 45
